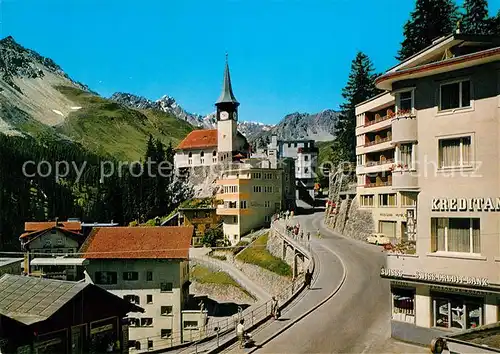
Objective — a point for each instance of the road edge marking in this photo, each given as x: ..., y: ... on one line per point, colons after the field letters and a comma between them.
x: 314, y: 308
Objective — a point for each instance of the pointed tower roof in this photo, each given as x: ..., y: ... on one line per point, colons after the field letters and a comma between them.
x: 227, y: 95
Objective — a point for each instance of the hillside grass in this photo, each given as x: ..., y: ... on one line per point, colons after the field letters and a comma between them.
x: 257, y: 254
x: 205, y: 275
x: 110, y: 129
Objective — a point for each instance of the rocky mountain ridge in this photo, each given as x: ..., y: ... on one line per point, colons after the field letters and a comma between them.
x: 169, y: 105
x: 318, y: 126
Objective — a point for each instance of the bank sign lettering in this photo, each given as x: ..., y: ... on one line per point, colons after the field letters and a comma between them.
x: 466, y: 204
x: 455, y: 279
x: 434, y: 277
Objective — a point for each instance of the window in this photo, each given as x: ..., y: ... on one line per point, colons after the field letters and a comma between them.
x: 306, y: 169
x: 130, y: 276
x: 190, y: 158
x: 403, y: 305
x: 243, y: 204
x: 455, y: 235
x: 257, y: 189
x: 367, y: 200
x: 134, y: 299
x: 149, y: 299
x: 455, y: 152
x: 235, y: 219
x: 405, y: 152
x: 190, y: 324
x: 453, y: 311
x: 166, y: 333
x: 105, y: 278
x: 230, y: 189
x: 146, y: 322
x: 166, y: 287
x: 267, y: 218
x: 149, y: 276
x: 386, y: 200
x: 166, y: 310
x: 455, y: 95
x: 408, y: 199
x: 306, y: 157
x: 150, y: 344
x: 405, y: 101
x: 256, y: 175
x: 359, y: 160
x: 214, y: 156
x: 267, y: 204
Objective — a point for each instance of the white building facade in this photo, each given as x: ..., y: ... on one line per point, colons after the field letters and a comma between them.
x: 447, y: 124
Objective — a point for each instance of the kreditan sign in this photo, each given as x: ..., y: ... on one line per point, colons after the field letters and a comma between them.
x: 466, y: 204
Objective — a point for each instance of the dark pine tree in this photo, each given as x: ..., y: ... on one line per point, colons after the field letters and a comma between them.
x: 430, y: 19
x: 360, y: 86
x: 494, y: 25
x: 475, y: 19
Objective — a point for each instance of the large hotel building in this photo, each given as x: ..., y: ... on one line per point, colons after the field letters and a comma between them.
x: 429, y: 169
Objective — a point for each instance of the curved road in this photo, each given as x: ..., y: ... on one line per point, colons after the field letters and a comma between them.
x: 356, y: 318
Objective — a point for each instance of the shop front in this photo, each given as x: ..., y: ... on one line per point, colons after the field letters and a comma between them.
x: 427, y: 305
x: 104, y: 336
x: 54, y: 342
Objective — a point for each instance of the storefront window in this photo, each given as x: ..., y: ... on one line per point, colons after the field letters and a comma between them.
x: 457, y: 311
x: 403, y: 305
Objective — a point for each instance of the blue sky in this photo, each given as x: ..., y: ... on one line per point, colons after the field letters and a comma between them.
x: 285, y: 56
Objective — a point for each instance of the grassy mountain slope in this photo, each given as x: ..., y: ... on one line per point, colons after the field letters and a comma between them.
x: 108, y: 128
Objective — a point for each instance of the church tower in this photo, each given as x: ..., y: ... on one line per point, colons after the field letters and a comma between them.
x: 227, y: 119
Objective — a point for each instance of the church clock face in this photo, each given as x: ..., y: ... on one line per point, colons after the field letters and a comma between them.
x: 224, y: 115
x: 235, y: 115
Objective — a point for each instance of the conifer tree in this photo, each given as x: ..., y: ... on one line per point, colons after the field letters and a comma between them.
x: 360, y: 86
x: 430, y: 19
x: 475, y: 19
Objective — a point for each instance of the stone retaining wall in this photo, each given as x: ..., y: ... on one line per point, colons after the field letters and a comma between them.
x: 351, y: 221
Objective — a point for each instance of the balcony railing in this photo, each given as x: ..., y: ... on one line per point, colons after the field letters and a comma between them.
x: 378, y: 163
x: 378, y: 184
x: 377, y: 120
x: 375, y: 142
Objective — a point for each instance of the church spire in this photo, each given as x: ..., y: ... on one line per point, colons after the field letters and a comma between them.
x: 227, y: 95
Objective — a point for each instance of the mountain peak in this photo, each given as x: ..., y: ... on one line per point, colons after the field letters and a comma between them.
x: 19, y: 62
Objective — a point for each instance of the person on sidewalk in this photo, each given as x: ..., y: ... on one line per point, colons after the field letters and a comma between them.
x: 308, y: 278
x: 275, y: 308
x: 240, y: 332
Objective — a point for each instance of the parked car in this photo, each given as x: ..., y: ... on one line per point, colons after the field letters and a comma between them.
x: 378, y: 239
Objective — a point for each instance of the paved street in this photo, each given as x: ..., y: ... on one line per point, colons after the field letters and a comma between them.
x: 354, y: 320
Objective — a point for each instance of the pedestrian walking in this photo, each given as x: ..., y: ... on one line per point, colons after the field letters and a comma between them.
x: 308, y: 278
x: 308, y: 236
x: 240, y: 332
x: 275, y: 308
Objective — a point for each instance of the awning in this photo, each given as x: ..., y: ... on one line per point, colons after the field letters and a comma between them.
x: 40, y: 261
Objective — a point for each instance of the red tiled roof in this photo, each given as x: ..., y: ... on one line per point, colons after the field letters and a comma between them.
x: 138, y: 242
x: 197, y: 139
x: 38, y: 226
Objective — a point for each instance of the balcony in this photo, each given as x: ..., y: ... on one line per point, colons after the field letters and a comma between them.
x: 378, y: 141
x: 383, y: 179
x: 404, y: 127
x: 377, y: 119
x: 378, y: 184
x: 404, y: 178
x: 375, y: 166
